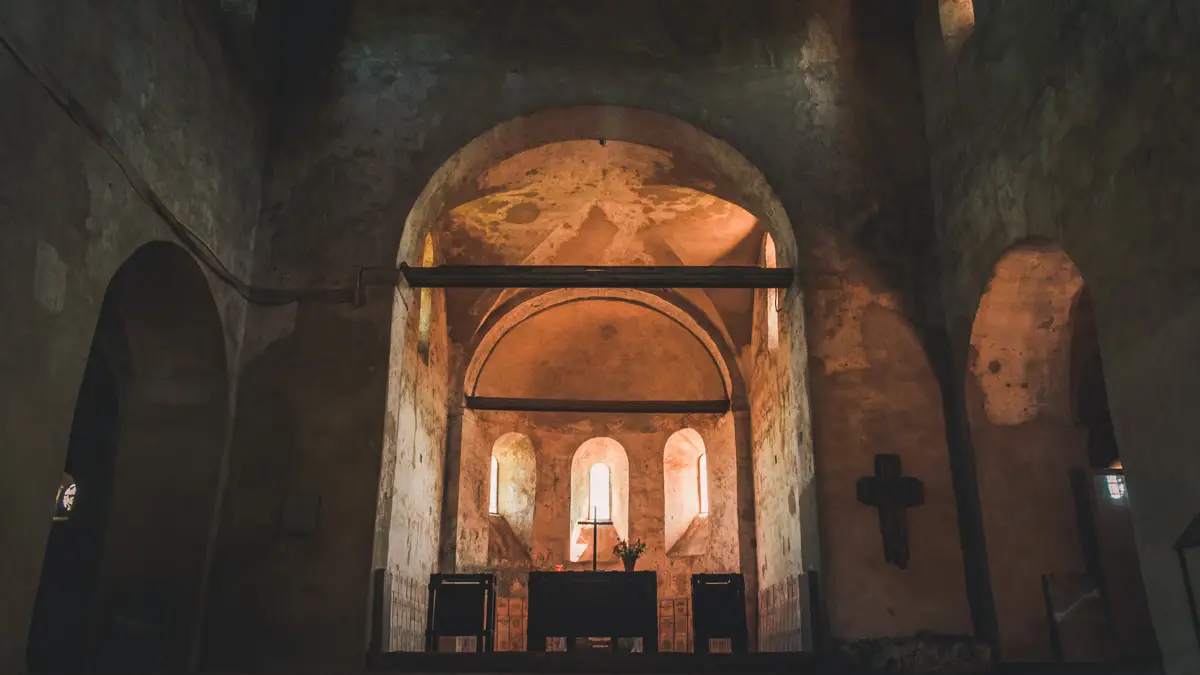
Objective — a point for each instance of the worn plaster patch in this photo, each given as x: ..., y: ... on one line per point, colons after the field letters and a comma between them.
x: 49, y: 278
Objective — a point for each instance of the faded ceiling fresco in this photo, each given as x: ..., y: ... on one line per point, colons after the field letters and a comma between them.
x: 587, y: 203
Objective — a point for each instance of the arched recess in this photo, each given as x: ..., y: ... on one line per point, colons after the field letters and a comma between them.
x: 685, y: 486
x: 610, y: 454
x: 696, y: 161
x: 122, y: 575
x: 673, y: 303
x: 711, y: 348
x: 511, y: 533
x: 1057, y: 538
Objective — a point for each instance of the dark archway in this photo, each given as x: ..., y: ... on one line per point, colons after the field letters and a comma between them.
x: 123, y: 569
x: 1056, y: 516
x: 1108, y: 535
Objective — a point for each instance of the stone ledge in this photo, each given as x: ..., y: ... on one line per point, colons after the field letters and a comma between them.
x: 924, y: 654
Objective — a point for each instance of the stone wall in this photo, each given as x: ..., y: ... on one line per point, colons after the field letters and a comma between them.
x: 555, y: 438
x: 155, y: 77
x: 821, y: 96
x: 874, y: 391
x: 1075, y: 122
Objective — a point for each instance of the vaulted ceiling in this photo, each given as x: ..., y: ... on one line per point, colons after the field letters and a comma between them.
x: 591, y: 203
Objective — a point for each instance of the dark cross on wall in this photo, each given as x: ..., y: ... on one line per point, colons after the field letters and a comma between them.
x: 892, y: 494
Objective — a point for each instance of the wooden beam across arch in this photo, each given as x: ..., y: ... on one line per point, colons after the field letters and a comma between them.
x: 718, y: 407
x: 570, y: 276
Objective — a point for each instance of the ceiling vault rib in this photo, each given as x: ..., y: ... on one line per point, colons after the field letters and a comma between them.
x: 593, y: 406
x: 566, y: 276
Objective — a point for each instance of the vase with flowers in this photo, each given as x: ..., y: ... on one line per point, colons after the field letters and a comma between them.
x: 629, y: 553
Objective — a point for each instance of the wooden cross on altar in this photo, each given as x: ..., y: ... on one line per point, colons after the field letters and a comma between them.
x: 892, y: 494
x: 595, y: 522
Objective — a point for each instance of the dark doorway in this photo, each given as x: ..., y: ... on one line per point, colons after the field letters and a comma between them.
x: 1102, y: 498
x: 126, y: 558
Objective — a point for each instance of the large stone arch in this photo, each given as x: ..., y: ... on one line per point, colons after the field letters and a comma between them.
x: 1110, y: 294
x: 146, y: 521
x: 725, y: 173
x: 710, y: 166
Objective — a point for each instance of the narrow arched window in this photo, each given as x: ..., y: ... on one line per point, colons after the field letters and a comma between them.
x: 702, y: 470
x: 494, y: 488
x: 772, y: 303
x: 425, y: 323
x: 600, y: 492
x: 64, y: 501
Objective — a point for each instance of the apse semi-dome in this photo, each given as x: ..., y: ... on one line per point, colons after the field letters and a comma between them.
x: 600, y: 349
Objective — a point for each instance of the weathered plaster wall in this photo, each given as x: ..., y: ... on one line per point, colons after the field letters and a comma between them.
x: 414, y: 443
x: 785, y: 504
x: 1075, y: 122
x: 820, y: 95
x: 154, y: 75
x: 331, y: 454
x: 1026, y: 442
x: 874, y: 392
x: 556, y: 438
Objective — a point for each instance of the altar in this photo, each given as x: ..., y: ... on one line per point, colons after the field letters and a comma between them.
x: 592, y: 604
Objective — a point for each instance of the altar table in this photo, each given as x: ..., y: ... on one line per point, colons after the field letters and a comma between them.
x: 592, y: 604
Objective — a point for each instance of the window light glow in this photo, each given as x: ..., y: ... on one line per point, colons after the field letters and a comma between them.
x: 772, y: 299
x: 494, y: 488
x: 1116, y: 487
x: 425, y: 319
x: 600, y: 492
x: 702, y: 466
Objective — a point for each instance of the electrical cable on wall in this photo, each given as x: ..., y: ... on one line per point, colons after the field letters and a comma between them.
x: 365, y: 276
x: 187, y: 237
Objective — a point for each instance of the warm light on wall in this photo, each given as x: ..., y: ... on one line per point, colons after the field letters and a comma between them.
x: 702, y: 469
x: 600, y: 492
x: 425, y: 322
x: 958, y: 22
x: 772, y: 309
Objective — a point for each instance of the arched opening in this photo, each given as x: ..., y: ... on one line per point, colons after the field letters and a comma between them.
x: 599, y: 492
x: 1060, y: 545
x: 1114, y: 557
x: 513, y: 499
x: 540, y: 190
x: 425, y: 322
x: 126, y: 556
x: 494, y: 488
x: 685, y: 486
x: 771, y: 301
x: 600, y: 489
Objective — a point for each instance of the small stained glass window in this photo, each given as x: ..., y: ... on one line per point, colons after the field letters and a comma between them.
x: 64, y: 502
x: 1116, y: 487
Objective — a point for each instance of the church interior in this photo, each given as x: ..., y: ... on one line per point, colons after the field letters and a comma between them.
x: 807, y: 336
